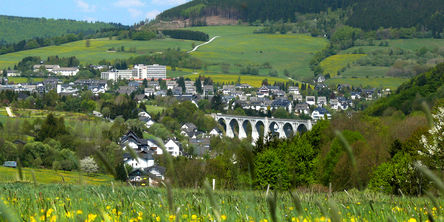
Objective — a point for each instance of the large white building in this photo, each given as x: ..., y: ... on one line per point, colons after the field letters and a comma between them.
x: 139, y: 72
x: 119, y: 74
x: 155, y: 71
x: 66, y: 71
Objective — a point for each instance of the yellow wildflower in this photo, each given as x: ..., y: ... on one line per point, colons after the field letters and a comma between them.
x: 91, y: 217
x: 32, y: 219
x: 193, y: 217
x: 49, y: 212
x: 79, y: 212
x: 53, y: 218
x: 223, y: 217
x: 172, y: 217
x: 68, y: 214
x: 157, y: 218
x: 412, y: 220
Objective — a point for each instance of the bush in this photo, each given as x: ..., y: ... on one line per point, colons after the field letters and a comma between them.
x: 270, y: 170
x: 398, y: 175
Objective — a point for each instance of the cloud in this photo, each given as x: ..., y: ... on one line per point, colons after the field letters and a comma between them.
x: 85, y: 7
x: 129, y: 3
x: 169, y: 2
x: 152, y: 14
x: 135, y: 13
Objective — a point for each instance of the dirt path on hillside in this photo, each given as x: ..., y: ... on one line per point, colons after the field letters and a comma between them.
x: 195, y: 48
x: 10, y: 114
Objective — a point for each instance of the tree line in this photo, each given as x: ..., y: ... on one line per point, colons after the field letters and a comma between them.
x: 37, y: 42
x: 187, y: 34
x: 15, y: 29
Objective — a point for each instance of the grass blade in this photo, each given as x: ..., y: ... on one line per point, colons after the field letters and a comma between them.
x: 212, y: 200
x: 429, y: 174
x: 7, y: 214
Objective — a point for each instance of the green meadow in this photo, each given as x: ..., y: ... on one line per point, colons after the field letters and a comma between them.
x: 378, y: 82
x: 153, y: 110
x: 45, y: 176
x: 98, y: 50
x: 239, y: 46
x: 374, y: 76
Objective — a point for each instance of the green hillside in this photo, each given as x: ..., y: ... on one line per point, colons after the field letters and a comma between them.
x: 410, y: 95
x: 97, y: 51
x: 14, y: 29
x: 237, y: 47
x: 365, y: 14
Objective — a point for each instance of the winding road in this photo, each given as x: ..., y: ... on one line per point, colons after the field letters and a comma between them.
x: 195, y: 48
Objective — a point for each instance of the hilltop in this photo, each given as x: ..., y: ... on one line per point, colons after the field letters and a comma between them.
x: 15, y: 29
x: 365, y: 14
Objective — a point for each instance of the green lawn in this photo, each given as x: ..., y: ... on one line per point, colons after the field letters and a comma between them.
x: 332, y: 64
x: 407, y: 44
x: 238, y: 45
x: 255, y: 81
x: 97, y: 51
x: 364, y: 71
x: 386, y: 82
x: 45, y: 176
x: 24, y: 80
x: 36, y: 113
x: 152, y: 110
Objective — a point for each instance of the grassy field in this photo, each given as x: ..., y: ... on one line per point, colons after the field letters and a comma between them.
x: 238, y: 45
x: 152, y: 110
x: 36, y: 113
x: 45, y: 176
x: 407, y: 44
x: 373, y: 75
x: 365, y: 71
x: 97, y: 51
x: 24, y: 80
x: 255, y: 81
x: 377, y: 82
x: 335, y: 63
x: 27, y: 202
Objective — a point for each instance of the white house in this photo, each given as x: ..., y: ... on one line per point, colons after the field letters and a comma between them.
x: 11, y: 73
x: 49, y: 68
x: 144, y: 114
x: 322, y: 101
x: 310, y: 100
x: 172, y: 148
x: 334, y: 104
x: 143, y: 161
x: 320, y: 113
x: 66, y: 71
x: 293, y: 90
x: 216, y: 132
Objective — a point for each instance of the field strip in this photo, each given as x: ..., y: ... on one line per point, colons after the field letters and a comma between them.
x: 10, y: 114
x: 195, y: 48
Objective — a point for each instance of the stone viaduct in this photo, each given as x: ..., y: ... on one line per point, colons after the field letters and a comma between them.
x: 257, y: 126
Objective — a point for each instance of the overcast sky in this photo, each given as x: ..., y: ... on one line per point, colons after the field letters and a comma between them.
x: 126, y: 12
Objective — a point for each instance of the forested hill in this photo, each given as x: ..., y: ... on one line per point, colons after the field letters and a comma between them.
x: 365, y: 14
x: 428, y: 87
x: 15, y: 29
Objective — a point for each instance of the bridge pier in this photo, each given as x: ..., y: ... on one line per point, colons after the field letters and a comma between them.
x: 242, y: 132
x: 281, y: 130
x: 229, y: 132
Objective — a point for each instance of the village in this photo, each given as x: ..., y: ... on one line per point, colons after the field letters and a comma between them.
x: 308, y: 101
